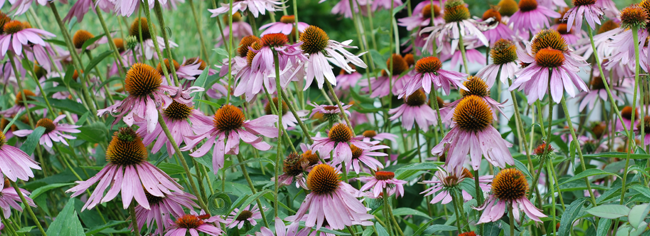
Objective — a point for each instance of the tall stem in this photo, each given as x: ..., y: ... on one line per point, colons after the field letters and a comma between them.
x: 630, y: 139
x: 163, y: 28
x: 577, y: 145
x: 278, y: 89
x: 206, y: 53
x: 552, y: 190
x: 134, y: 219
x: 512, y: 220
x: 29, y: 208
x: 250, y: 184
x: 453, y: 200
x: 386, y: 215
x: 461, y: 45
x: 109, y: 37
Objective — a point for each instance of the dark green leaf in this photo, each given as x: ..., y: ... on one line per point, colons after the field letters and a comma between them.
x: 94, y: 133
x: 32, y: 140
x: 97, y: 60
x: 67, y: 222
x: 570, y: 214
x: 200, y: 82
x: 89, y: 42
x: 171, y: 169
x: 220, y: 199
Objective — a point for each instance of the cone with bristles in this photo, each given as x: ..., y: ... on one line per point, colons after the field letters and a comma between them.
x: 527, y: 5
x: 314, y: 40
x: 473, y: 114
x: 549, y: 58
x: 292, y: 165
x: 323, y: 179
x: 3, y: 20
x: 274, y: 40
x: 504, y: 51
x: 168, y: 66
x: 80, y: 37
x: 428, y: 65
x: 140, y: 27
x: 29, y: 96
x: 119, y: 44
x: 549, y: 38
x: 455, y: 10
x: 493, y: 12
x: 633, y: 16
x: 340, y: 133
x: 418, y: 98
x: 126, y: 148
x: 228, y: 118
x: 508, y: 7
x: 250, y: 54
x: 399, y: 64
x: 142, y: 80
x: 178, y: 111
x: 246, y: 42
x: 509, y: 185
x: 13, y: 27
x: 476, y: 86
x: 607, y: 26
x: 426, y: 11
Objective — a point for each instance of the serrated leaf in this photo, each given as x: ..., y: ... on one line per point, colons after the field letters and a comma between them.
x: 32, y: 140
x: 611, y: 211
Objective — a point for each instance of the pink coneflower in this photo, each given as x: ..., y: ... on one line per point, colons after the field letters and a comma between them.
x: 626, y: 116
x: 16, y: 35
x: 79, y: 10
x: 346, y: 80
x: 553, y: 4
x: 193, y: 224
x: 602, y: 40
x: 320, y: 51
x: 549, y: 54
x: 228, y: 128
x: 473, y: 56
x: 383, y: 180
x: 19, y: 104
x: 430, y: 74
x: 39, y: 54
x: 367, y: 157
x: 509, y: 190
x: 586, y: 9
x: 146, y: 93
x: 14, y: 163
x: 337, y: 140
x: 369, y: 135
x: 54, y: 131
x: 422, y: 16
x: 446, y: 179
x: 176, y: 116
x: 415, y: 109
x: 500, y: 31
x: 472, y: 134
x: 218, y: 90
x: 476, y: 86
x: 330, y: 200
x: 329, y: 110
x: 381, y: 85
x: 282, y: 230
x: 531, y: 17
x: 288, y: 119
x: 240, y: 29
x: 343, y: 7
x: 504, y: 58
x: 285, y: 26
x: 598, y: 91
x: 247, y: 215
x: 609, y: 8
x: 386, y: 4
x: 22, y: 6
x: 162, y: 208
x: 571, y: 37
x: 183, y: 71
x: 128, y: 171
x: 457, y: 21
x: 295, y: 165
x: 9, y: 198
x: 256, y: 7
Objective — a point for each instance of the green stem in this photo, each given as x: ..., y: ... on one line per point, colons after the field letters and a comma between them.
x: 250, y: 184
x: 386, y: 215
x: 518, y: 123
x: 195, y: 190
x: 161, y: 20
x: 134, y: 219
x: 280, y: 129
x: 552, y: 189
x: 512, y: 220
x: 461, y: 45
x: 582, y: 159
x: 29, y: 208
x: 230, y: 51
x: 338, y: 103
x: 453, y: 200
x: 198, y: 27
x: 630, y: 140
x: 109, y: 37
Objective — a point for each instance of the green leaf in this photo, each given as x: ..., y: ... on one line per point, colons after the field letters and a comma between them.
x: 36, y: 193
x: 97, y: 229
x: 68, y: 75
x: 25, y: 230
x: 221, y: 51
x: 439, y: 228
x: 378, y: 59
x: 32, y: 140
x: 10, y: 124
x: 108, y: 81
x: 171, y: 169
x: 408, y: 211
x: 224, y: 202
x: 97, y: 60
x: 604, y: 225
x: 618, y: 155
x: 570, y: 214
x: 67, y: 222
x: 201, y: 83
x: 381, y: 231
x: 638, y: 214
x: 214, y: 104
x: 368, y: 231
x: 410, y: 170
x: 523, y: 168
x: 254, y: 197
x: 66, y: 105
x: 611, y: 211
x: 587, y: 173
x: 94, y: 133
x: 397, y: 9
x: 89, y: 42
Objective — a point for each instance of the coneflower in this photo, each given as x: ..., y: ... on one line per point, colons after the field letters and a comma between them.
x: 597, y: 90
x: 226, y: 130
x: 504, y: 60
x: 586, y: 9
x: 448, y: 179
x: 472, y: 134
x: 430, y: 74
x: 338, y: 139
x: 422, y: 16
x: 245, y: 216
x: 127, y: 171
x: 194, y: 223
x: 162, y: 208
x: 477, y: 87
x: 288, y: 119
x: 381, y: 86
x: 256, y: 7
x: 509, y: 189
x: 284, y: 26
x: 146, y: 95
x: 17, y: 35
x: 330, y: 200
x: 457, y: 21
x: 531, y: 17
x: 415, y: 109
x: 54, y: 132
x: 15, y: 163
x: 501, y: 31
x: 139, y: 27
x: 367, y: 157
x: 383, y: 180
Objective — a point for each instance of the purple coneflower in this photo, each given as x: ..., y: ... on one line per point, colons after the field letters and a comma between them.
x: 509, y: 190
x: 19, y: 104
x: 162, y: 208
x: 504, y: 60
x: 288, y: 119
x: 422, y: 16
x: 240, y: 29
x: 285, y: 26
x: 444, y: 180
x: 572, y: 36
x: 430, y: 74
x: 146, y: 93
x: 16, y: 35
x: 609, y: 8
x: 337, y: 140
x: 228, y: 128
x: 9, y: 198
x: 129, y: 172
x: 531, y: 17
x: 254, y: 6
x: 247, y: 215
x: 54, y: 131
x: 551, y: 65
x: 457, y: 21
x: 282, y: 230
x: 176, y: 116
x: 367, y: 157
x: 476, y: 86
x: 14, y: 163
x: 415, y: 109
x: 369, y: 135
x: 295, y: 165
x: 471, y: 44
x: 330, y: 200
x: 321, y: 51
x: 141, y: 27
x: 472, y: 134
x: 346, y: 80
x: 381, y: 86
x: 586, y: 9
x: 343, y: 7
x: 383, y: 180
x: 598, y: 91
x: 500, y: 31
x: 193, y: 224
x: 329, y: 111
